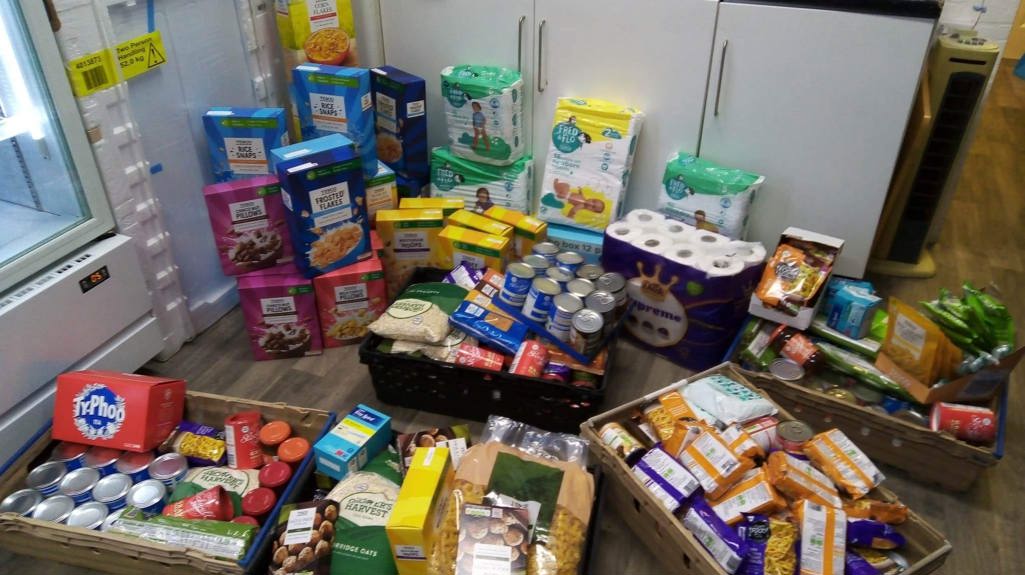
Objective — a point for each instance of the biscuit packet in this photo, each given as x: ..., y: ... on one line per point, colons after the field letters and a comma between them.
x: 794, y: 275
x: 799, y: 480
x: 843, y: 462
x: 741, y: 444
x: 752, y: 494
x: 710, y: 460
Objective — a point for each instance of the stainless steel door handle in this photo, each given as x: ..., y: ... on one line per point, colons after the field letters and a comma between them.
x: 718, y: 87
x: 541, y: 55
x: 519, y: 44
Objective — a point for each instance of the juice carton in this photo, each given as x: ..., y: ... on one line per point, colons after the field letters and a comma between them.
x: 477, y: 249
x: 466, y: 219
x: 409, y: 238
x: 281, y: 315
x: 357, y: 438
x: 527, y: 230
x: 382, y: 193
x: 418, y: 511
x: 336, y: 100
x: 116, y: 410
x: 348, y: 299
x: 324, y: 196
x: 248, y: 221
x: 585, y: 242
x: 448, y: 206
x: 240, y: 140
x: 400, y: 106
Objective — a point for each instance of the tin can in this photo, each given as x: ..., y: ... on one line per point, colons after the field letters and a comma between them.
x: 786, y: 369
x: 46, y: 478
x: 843, y: 395
x: 242, y: 440
x: 538, y: 263
x: 135, y: 465
x: 911, y: 416
x: 56, y: 509
x: 965, y: 422
x: 866, y: 395
x: 892, y: 404
x: 112, y: 490
x: 590, y: 272
x: 617, y: 438
x: 23, y: 502
x: 615, y: 284
x: 518, y: 277
x: 569, y: 261
x: 580, y: 287
x: 560, y: 275
x: 585, y: 334
x: 539, y: 299
x: 556, y: 371
x: 78, y: 484
x: 102, y: 459
x: 560, y: 319
x: 88, y: 516
x: 168, y: 469
x: 72, y: 455
x: 605, y: 304
x: 793, y: 435
x: 473, y: 356
x: 547, y: 250
x: 109, y: 521
x: 148, y: 496
x: 530, y: 359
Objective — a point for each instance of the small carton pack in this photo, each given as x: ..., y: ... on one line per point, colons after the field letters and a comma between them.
x: 400, y: 106
x: 240, y: 140
x: 585, y: 242
x: 348, y: 300
x: 357, y: 438
x: 448, y: 206
x: 116, y: 410
x: 466, y: 219
x: 527, y: 230
x: 409, y: 237
x: 281, y: 315
x: 324, y: 196
x: 336, y: 100
x: 477, y: 249
x: 418, y: 511
x: 248, y: 222
x: 382, y: 193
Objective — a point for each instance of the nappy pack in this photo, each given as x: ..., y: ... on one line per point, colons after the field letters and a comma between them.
x: 484, y: 113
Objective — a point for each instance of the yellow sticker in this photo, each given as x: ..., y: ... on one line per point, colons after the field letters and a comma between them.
x: 92, y: 73
x: 141, y: 54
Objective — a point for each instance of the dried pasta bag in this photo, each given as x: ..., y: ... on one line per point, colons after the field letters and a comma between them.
x: 420, y: 314
x: 873, y: 534
x: 912, y: 342
x: 741, y: 444
x: 799, y: 480
x: 722, y: 542
x: 685, y: 431
x: 657, y: 416
x: 823, y: 539
x: 710, y: 460
x: 893, y: 513
x: 752, y: 494
x: 771, y: 545
x: 843, y: 462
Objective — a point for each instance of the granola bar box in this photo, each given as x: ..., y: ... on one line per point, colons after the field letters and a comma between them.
x: 325, y: 203
x: 348, y: 300
x: 281, y: 315
x: 116, y: 410
x: 248, y: 222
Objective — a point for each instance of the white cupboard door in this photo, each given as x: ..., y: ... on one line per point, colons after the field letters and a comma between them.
x: 423, y: 36
x: 652, y: 55
x: 817, y: 102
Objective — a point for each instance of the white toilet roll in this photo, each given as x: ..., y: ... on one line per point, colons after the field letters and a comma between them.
x: 653, y: 243
x: 683, y: 254
x: 708, y: 239
x: 680, y: 232
x: 721, y: 266
x: 751, y: 253
x: 624, y: 231
x: 648, y: 220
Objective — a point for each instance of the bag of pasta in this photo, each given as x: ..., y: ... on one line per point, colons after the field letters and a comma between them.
x: 519, y: 466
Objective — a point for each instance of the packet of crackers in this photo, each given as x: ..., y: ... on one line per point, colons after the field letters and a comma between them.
x: 843, y: 462
x: 201, y: 444
x: 710, y: 460
x: 799, y: 480
x: 752, y: 494
x: 823, y: 538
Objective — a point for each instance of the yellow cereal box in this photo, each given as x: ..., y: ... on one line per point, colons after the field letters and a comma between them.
x: 479, y: 250
x: 419, y: 508
x: 474, y: 221
x: 408, y: 238
x: 447, y: 205
x: 527, y: 230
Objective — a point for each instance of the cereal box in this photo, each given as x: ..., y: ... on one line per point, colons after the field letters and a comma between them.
x: 481, y: 186
x: 477, y: 249
x: 419, y: 510
x: 376, y: 244
x: 348, y: 299
x: 585, y: 242
x: 116, y: 410
x: 324, y: 198
x: 448, y: 206
x: 409, y: 237
x: 248, y: 221
x: 382, y: 193
x: 240, y: 140
x: 474, y: 221
x: 527, y: 230
x: 400, y: 106
x: 336, y: 100
x: 357, y: 438
x: 280, y: 314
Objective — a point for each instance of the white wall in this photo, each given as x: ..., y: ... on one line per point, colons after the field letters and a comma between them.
x: 994, y: 24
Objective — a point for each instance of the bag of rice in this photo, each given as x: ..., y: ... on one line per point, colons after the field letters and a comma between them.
x: 365, y: 500
x: 420, y: 314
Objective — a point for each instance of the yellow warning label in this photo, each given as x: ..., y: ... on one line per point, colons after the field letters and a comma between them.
x: 92, y: 73
x: 141, y: 54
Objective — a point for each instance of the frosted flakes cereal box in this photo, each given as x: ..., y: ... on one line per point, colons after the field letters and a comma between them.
x: 248, y: 222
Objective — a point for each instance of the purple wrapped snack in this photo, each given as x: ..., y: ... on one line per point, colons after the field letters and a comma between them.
x: 202, y: 445
x: 874, y: 534
x: 464, y: 276
x: 722, y: 542
x: 755, y: 532
x: 854, y: 564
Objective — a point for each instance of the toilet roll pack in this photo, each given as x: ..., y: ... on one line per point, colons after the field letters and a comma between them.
x: 689, y: 287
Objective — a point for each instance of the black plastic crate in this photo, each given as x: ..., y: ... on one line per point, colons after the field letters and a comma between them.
x: 472, y: 393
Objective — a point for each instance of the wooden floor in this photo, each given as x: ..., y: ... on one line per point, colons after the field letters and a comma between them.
x: 981, y: 241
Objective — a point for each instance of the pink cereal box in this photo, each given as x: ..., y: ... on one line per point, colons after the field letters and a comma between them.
x: 349, y: 299
x: 248, y: 221
x: 281, y: 314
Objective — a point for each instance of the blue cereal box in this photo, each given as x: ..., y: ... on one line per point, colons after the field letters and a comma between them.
x: 400, y: 106
x: 585, y: 242
x: 240, y: 140
x: 357, y: 438
x: 325, y: 203
x: 337, y: 100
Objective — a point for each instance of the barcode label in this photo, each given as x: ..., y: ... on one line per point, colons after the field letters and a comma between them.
x: 92, y: 73
x: 94, y: 78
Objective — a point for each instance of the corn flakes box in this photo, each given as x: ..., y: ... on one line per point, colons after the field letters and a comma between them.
x: 477, y: 249
x: 418, y: 512
x: 382, y: 193
x: 408, y: 237
x: 527, y: 230
x: 348, y: 300
x: 323, y: 30
x: 400, y: 100
x: 240, y: 140
x: 336, y: 100
x: 466, y: 219
x: 325, y: 203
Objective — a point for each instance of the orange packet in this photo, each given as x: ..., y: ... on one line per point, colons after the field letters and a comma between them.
x: 893, y: 513
x: 712, y: 463
x: 752, y: 494
x: 823, y: 538
x: 799, y: 480
x: 843, y: 462
x: 659, y: 420
x: 676, y: 406
x: 685, y: 431
x: 741, y: 443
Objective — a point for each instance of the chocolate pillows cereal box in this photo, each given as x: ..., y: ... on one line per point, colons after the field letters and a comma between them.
x: 281, y: 315
x: 248, y: 222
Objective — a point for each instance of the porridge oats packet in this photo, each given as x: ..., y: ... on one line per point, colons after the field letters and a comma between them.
x: 420, y: 314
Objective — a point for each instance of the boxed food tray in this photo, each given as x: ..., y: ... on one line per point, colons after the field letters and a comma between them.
x: 674, y: 544
x: 114, y: 553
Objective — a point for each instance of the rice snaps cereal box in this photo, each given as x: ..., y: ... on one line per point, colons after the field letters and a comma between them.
x: 382, y: 194
x: 592, y: 149
x: 348, y: 300
x: 481, y: 186
x: 248, y: 221
x: 281, y: 315
x: 336, y: 100
x: 484, y: 113
x: 477, y: 249
x: 400, y: 108
x: 323, y: 30
x: 527, y: 230
x: 325, y: 203
x: 240, y: 140
x: 116, y: 410
x: 409, y: 237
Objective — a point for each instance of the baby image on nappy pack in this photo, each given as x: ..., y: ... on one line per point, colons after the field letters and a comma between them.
x: 484, y: 113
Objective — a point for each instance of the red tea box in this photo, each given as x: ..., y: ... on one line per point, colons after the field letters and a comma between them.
x: 349, y: 299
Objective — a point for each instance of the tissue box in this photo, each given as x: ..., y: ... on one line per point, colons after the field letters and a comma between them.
x: 585, y: 242
x: 477, y: 249
x: 382, y: 193
x: 324, y: 195
x: 527, y: 230
x: 248, y: 222
x: 240, y: 140
x: 420, y: 508
x: 400, y: 107
x: 357, y: 438
x: 484, y: 113
x: 281, y: 315
x: 481, y: 186
x: 409, y: 237
x: 336, y: 100
x: 348, y: 300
